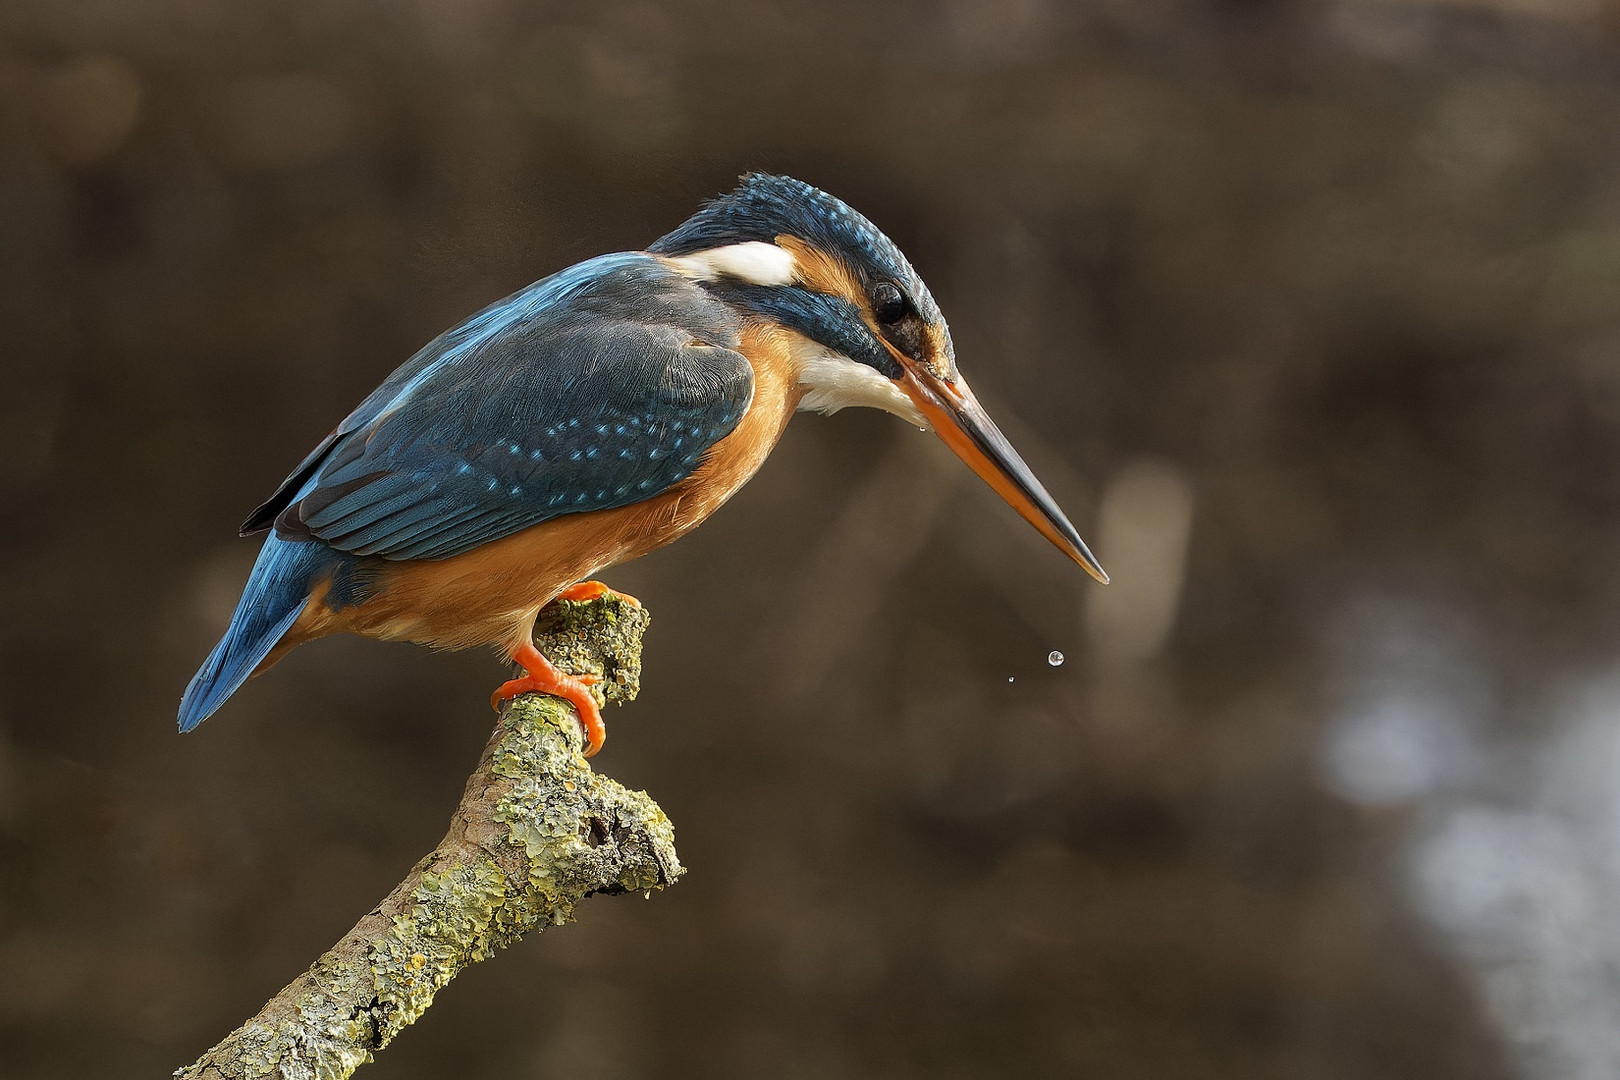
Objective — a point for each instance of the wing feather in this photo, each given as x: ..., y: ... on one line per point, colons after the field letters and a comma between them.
x: 596, y: 388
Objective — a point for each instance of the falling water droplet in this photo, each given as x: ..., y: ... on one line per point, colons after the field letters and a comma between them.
x: 1054, y: 658
x: 1009, y: 678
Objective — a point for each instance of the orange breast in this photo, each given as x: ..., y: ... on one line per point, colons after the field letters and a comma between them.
x: 490, y: 595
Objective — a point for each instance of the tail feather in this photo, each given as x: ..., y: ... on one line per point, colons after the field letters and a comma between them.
x: 274, y: 598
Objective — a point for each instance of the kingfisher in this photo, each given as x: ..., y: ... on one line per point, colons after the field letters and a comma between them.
x: 590, y: 418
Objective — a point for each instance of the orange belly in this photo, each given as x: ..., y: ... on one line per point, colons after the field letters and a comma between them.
x: 491, y: 594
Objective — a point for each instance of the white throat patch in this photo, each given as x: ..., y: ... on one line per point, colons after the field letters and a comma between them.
x: 754, y: 262
x: 832, y: 381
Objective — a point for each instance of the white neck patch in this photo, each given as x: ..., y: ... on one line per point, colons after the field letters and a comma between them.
x: 833, y: 381
x: 830, y: 380
x: 754, y: 262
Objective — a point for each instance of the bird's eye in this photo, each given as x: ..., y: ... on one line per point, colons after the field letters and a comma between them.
x: 889, y: 303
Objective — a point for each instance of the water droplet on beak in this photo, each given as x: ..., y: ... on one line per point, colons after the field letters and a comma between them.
x: 1054, y: 658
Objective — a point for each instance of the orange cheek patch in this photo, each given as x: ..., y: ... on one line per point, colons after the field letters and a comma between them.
x: 822, y: 273
x: 934, y: 349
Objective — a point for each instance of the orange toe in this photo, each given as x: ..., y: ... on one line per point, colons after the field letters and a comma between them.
x: 581, y: 591
x: 541, y: 677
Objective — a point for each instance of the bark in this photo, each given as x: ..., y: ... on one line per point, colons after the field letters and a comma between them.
x: 537, y: 831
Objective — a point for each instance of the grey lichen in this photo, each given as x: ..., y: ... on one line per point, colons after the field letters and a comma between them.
x: 537, y: 831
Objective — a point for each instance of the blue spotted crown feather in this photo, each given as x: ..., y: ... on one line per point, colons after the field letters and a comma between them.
x: 764, y: 207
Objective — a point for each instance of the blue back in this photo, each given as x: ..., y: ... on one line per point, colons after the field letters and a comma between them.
x: 597, y: 387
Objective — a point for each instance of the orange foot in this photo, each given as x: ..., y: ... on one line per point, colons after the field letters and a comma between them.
x: 543, y: 678
x: 590, y: 590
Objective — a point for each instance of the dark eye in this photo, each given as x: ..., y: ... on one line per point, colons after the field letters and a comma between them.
x: 889, y: 303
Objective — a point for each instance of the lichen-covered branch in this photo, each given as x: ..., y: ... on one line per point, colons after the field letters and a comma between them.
x: 537, y: 831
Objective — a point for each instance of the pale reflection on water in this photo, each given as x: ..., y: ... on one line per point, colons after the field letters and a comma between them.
x: 1412, y: 698
x: 1513, y: 856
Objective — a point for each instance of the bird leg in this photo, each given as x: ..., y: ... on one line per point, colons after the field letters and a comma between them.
x: 581, y: 591
x: 542, y: 677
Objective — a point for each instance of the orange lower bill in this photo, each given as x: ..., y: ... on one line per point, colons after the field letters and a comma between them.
x: 964, y: 426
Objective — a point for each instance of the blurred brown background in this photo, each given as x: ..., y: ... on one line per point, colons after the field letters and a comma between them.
x: 1307, y: 312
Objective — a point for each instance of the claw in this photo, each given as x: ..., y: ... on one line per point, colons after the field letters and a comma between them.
x: 541, y: 677
x: 581, y: 591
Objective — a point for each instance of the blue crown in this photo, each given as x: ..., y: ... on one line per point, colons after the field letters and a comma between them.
x: 764, y: 207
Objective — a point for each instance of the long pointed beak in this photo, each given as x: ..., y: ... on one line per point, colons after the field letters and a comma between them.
x: 961, y: 422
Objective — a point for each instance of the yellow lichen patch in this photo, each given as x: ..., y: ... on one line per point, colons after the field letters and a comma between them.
x: 450, y: 925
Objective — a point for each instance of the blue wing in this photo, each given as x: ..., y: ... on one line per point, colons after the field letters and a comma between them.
x: 597, y: 387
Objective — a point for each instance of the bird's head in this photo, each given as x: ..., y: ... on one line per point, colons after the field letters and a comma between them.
x: 790, y: 253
